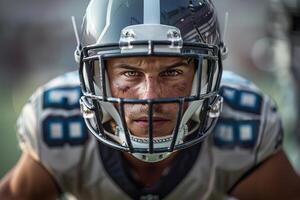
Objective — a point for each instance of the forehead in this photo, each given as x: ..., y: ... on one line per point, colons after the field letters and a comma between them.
x: 145, y: 61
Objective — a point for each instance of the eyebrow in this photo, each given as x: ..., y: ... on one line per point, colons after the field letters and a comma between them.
x: 180, y: 63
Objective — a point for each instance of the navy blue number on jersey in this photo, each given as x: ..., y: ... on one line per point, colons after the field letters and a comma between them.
x: 231, y: 133
x: 60, y: 127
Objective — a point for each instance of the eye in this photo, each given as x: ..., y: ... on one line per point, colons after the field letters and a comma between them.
x: 171, y: 72
x: 132, y: 74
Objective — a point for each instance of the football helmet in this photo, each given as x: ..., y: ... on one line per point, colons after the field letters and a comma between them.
x: 135, y: 28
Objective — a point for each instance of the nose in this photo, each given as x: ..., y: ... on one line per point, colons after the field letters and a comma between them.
x: 153, y: 89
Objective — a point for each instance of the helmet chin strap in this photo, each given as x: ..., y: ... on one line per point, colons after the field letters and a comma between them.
x: 152, y: 158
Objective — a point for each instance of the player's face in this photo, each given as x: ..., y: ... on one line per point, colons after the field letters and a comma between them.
x: 151, y: 78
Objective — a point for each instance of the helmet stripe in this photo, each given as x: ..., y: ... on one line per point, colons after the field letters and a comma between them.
x: 151, y: 11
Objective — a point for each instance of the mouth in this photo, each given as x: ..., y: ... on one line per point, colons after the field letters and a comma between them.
x: 156, y: 121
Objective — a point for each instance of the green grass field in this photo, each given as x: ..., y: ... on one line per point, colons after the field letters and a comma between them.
x: 12, y: 101
x: 8, y: 144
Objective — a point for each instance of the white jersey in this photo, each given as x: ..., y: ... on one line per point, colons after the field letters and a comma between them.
x: 52, y: 131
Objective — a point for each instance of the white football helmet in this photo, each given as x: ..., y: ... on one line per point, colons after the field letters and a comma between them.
x: 128, y: 28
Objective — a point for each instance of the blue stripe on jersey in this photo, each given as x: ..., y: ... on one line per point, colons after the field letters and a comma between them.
x: 119, y: 171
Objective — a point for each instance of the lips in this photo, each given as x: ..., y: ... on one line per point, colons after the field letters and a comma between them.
x: 156, y: 121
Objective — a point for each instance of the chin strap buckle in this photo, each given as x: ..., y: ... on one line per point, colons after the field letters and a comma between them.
x: 216, y: 107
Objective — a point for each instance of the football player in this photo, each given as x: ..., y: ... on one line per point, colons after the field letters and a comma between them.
x: 150, y: 123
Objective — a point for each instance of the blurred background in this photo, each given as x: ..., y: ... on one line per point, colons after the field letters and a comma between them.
x: 37, y: 43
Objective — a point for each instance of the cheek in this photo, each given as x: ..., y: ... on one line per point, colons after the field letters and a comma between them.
x: 118, y: 89
x: 182, y: 88
x: 122, y: 89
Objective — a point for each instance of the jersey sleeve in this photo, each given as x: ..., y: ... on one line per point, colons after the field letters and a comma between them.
x: 27, y: 128
x: 50, y: 129
x: 271, y: 137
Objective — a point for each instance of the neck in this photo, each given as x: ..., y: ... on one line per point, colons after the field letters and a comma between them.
x: 146, y: 174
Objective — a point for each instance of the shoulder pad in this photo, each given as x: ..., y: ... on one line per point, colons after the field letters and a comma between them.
x: 249, y: 128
